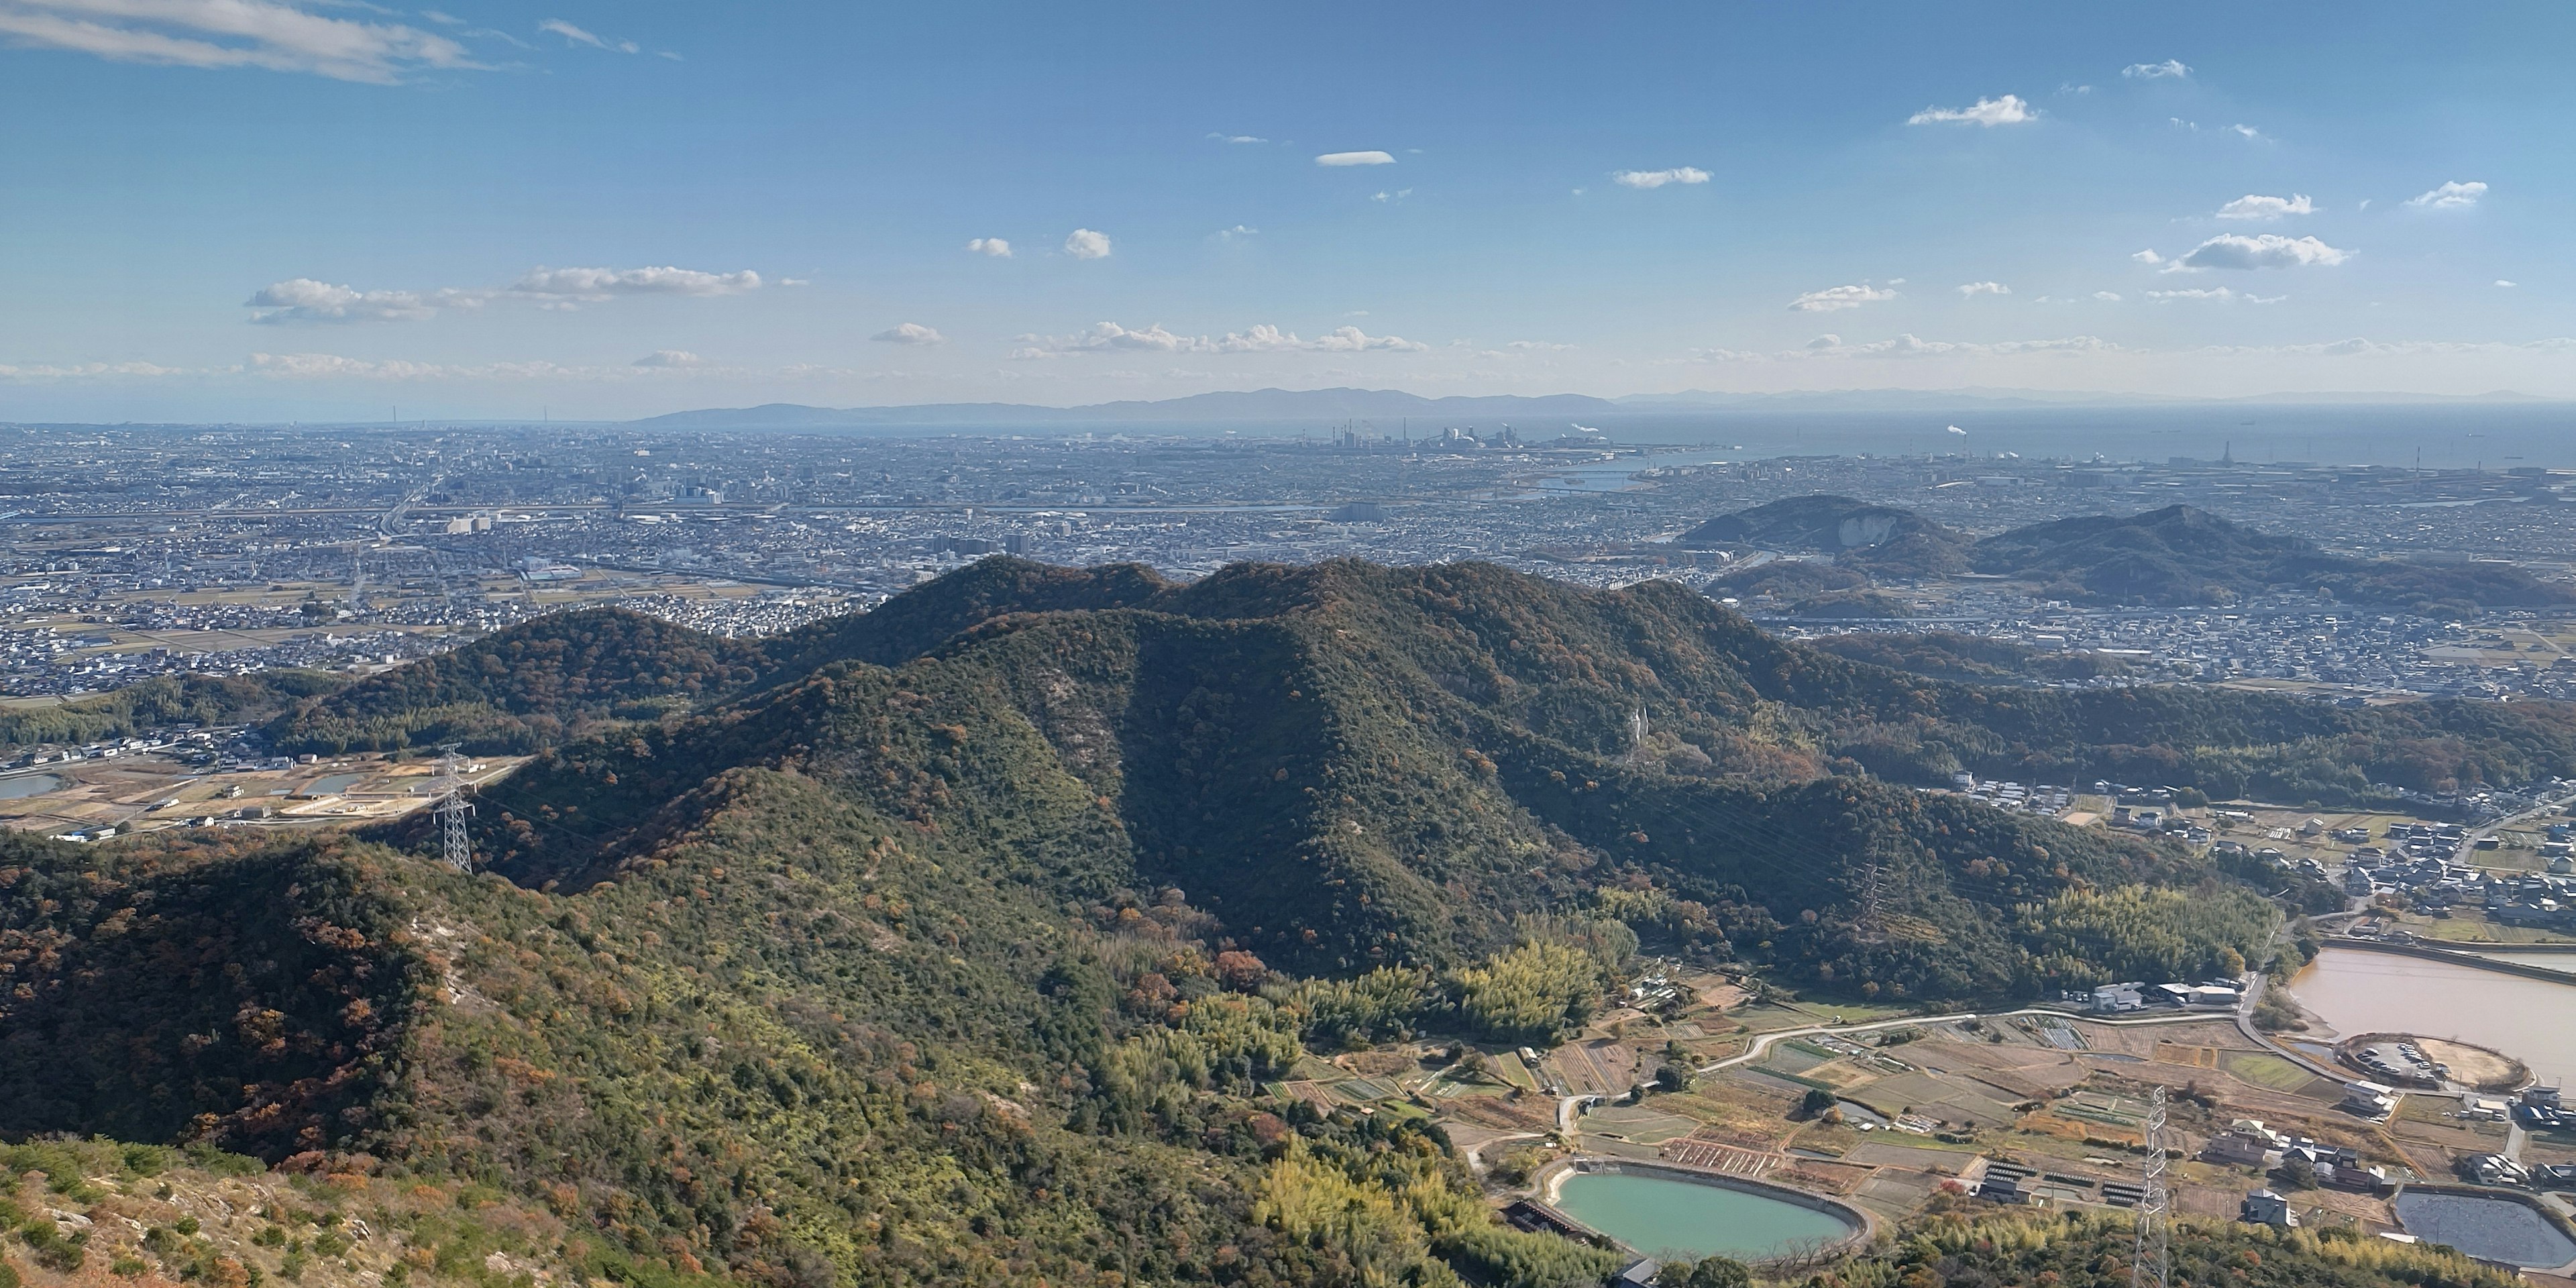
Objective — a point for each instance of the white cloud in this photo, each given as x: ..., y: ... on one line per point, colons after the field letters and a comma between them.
x: 233, y: 33
x: 302, y: 299
x: 2008, y: 110
x: 2247, y: 131
x: 2502, y: 282
x: 1833, y: 298
x: 993, y: 246
x: 1238, y: 231
x: 592, y: 285
x: 1972, y: 289
x: 1238, y: 138
x: 1397, y: 195
x: 1082, y: 243
x: 2107, y: 297
x: 2219, y: 293
x: 1909, y: 346
x: 671, y: 359
x: 580, y: 37
x: 2254, y: 206
x: 910, y: 333
x: 2171, y: 67
x: 1355, y: 158
x: 95, y: 370
x: 1658, y: 178
x: 2238, y: 251
x: 2450, y: 196
x: 1548, y: 346
x: 1105, y: 337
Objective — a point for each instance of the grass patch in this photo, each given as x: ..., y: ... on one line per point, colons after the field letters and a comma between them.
x: 2264, y: 1069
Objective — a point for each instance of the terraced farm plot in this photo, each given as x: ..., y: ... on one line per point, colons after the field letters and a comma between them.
x: 1936, y: 1097
x: 1795, y: 1057
x: 1368, y: 1088
x: 2267, y: 1070
x: 2197, y: 1057
x: 1638, y: 1124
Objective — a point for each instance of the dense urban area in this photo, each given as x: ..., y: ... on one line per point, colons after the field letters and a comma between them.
x: 147, y: 551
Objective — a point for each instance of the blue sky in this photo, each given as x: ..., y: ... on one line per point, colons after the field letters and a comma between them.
x: 254, y: 209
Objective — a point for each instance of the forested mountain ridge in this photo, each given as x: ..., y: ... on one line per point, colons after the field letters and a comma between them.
x: 965, y: 957
x: 2175, y: 556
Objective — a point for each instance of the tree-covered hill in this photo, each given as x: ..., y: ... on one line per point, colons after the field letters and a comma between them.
x: 1882, y: 539
x: 526, y: 687
x: 970, y: 958
x: 162, y: 701
x: 2182, y: 555
x: 2175, y: 556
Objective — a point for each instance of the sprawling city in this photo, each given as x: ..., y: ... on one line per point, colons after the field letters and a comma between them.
x: 1353, y: 646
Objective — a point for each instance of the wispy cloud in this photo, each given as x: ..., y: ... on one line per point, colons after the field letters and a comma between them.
x: 1083, y: 243
x: 2450, y: 196
x: 1973, y: 289
x: 306, y: 300
x: 2217, y: 293
x: 2169, y: 69
x: 2007, y: 110
x: 580, y: 37
x: 302, y: 299
x: 671, y: 359
x: 2238, y: 251
x: 1109, y: 337
x: 2256, y: 206
x: 1355, y: 158
x: 591, y: 285
x: 233, y: 33
x: 1238, y: 138
x: 1836, y: 298
x: 909, y: 333
x: 1658, y: 178
x: 1236, y: 233
x: 993, y: 246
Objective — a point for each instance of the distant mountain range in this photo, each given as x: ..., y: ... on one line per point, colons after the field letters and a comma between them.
x: 1257, y: 405
x: 1382, y: 406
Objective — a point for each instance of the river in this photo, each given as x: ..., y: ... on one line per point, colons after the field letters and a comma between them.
x: 2360, y: 991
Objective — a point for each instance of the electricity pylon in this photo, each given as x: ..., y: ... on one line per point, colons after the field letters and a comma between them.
x: 453, y: 809
x: 2151, y: 1265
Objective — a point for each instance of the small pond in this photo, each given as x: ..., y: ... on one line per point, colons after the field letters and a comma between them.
x: 2496, y: 1229
x: 332, y: 784
x: 1663, y: 1214
x: 21, y: 786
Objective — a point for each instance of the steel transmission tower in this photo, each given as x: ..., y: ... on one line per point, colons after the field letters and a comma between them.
x: 453, y: 809
x: 2151, y: 1266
